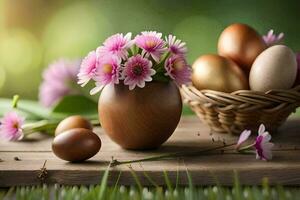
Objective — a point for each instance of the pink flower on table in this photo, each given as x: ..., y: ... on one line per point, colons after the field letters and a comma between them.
x: 11, y: 126
x: 108, y: 71
x: 263, y: 145
x: 59, y: 80
x: 272, y: 39
x: 178, y: 69
x: 176, y: 46
x: 117, y: 45
x: 243, y: 137
x: 137, y: 71
x: 87, y: 69
x: 151, y: 43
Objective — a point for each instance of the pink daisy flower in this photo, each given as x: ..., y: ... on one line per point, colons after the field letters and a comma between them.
x: 108, y: 71
x: 151, y: 43
x: 11, y: 126
x: 263, y: 145
x: 87, y: 69
x: 176, y: 46
x: 59, y: 80
x: 178, y: 69
x: 272, y: 39
x: 117, y: 45
x: 137, y: 71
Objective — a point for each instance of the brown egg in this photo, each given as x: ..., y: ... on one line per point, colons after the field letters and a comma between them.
x: 72, y: 122
x: 76, y: 145
x: 142, y: 118
x: 218, y: 73
x: 242, y: 44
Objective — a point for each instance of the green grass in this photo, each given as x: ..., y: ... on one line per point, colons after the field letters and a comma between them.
x: 136, y: 192
x: 128, y: 193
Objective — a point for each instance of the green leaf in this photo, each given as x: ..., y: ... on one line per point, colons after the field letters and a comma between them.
x: 36, y: 110
x: 75, y: 105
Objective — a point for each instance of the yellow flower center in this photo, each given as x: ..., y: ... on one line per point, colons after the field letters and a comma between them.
x: 150, y: 43
x: 16, y: 125
x: 107, y: 68
x: 178, y: 65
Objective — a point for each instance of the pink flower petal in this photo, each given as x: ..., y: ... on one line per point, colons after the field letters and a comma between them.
x: 261, y: 129
x: 273, y: 39
x: 243, y: 137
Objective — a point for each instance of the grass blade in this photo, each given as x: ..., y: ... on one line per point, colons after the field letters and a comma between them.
x: 103, y: 185
x: 168, y: 182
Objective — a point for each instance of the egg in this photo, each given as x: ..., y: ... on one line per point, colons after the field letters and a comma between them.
x: 76, y: 145
x: 242, y: 44
x: 274, y: 68
x: 215, y: 72
x: 71, y: 122
x: 297, y: 82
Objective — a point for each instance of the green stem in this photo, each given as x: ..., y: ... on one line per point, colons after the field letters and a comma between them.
x: 171, y: 155
x: 15, y: 105
x: 40, y: 126
x: 15, y: 101
x: 47, y: 126
x: 245, y: 147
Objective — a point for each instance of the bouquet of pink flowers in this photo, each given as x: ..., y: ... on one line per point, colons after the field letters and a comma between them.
x: 134, y: 62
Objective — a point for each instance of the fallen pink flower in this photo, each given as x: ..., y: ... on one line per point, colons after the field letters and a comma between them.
x: 11, y: 126
x: 263, y: 145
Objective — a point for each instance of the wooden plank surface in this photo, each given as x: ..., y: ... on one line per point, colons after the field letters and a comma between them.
x: 190, y: 135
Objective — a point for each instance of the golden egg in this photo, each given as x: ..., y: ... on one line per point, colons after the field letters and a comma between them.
x: 242, y: 44
x: 218, y: 73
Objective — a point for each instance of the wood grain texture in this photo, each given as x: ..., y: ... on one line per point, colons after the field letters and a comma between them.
x: 190, y: 135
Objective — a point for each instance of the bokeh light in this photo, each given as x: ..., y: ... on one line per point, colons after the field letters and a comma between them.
x: 2, y: 77
x: 20, y: 52
x: 73, y: 31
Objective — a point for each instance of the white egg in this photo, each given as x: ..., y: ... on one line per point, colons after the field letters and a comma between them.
x: 274, y: 68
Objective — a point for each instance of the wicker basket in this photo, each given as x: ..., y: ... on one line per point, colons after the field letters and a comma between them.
x: 243, y: 109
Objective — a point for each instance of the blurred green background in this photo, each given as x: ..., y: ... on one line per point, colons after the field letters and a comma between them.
x: 36, y: 32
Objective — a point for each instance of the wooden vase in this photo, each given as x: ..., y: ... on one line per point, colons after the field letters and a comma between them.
x: 142, y: 118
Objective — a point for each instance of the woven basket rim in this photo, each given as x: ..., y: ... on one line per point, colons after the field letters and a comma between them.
x: 296, y: 88
x: 242, y: 99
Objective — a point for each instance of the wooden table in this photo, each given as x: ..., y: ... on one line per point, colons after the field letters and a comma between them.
x: 190, y: 135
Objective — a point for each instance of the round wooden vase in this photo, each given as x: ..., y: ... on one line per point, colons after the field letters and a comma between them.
x: 142, y: 118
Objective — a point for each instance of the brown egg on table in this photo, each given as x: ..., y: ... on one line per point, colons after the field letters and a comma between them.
x: 75, y: 121
x: 274, y: 68
x: 76, y: 145
x: 242, y: 44
x: 218, y: 73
